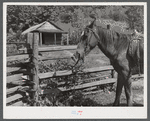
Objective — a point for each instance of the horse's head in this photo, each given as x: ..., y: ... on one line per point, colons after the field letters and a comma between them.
x: 88, y: 40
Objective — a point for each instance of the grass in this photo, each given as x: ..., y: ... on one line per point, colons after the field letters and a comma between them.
x: 95, y: 58
x: 107, y: 98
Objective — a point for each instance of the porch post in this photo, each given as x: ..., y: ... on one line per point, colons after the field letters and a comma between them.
x: 67, y: 39
x: 62, y: 39
x: 55, y: 38
x: 40, y: 34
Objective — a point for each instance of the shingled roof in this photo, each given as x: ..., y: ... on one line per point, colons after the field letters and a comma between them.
x: 44, y: 27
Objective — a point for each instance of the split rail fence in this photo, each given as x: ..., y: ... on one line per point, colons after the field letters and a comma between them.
x: 29, y: 77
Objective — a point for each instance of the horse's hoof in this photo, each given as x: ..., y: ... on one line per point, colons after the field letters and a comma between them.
x: 116, y: 104
x: 130, y: 104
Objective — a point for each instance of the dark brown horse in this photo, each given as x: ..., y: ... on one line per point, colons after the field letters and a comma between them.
x: 124, y: 53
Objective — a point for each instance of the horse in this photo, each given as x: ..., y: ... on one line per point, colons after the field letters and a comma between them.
x: 123, y: 51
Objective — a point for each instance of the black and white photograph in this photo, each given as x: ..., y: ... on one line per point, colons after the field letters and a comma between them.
x: 74, y: 60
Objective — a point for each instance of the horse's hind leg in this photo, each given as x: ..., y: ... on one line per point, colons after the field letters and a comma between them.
x: 127, y: 84
x: 124, y: 74
x: 118, y: 90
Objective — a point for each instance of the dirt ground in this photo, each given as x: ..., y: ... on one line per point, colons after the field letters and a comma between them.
x: 107, y: 98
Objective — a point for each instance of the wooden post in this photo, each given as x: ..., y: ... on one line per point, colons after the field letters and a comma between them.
x: 55, y: 38
x: 29, y: 42
x: 35, y: 62
x: 67, y: 39
x: 30, y: 39
x: 112, y: 73
x: 62, y: 40
x: 108, y: 26
x: 40, y: 34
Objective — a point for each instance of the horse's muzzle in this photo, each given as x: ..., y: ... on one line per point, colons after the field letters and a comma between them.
x: 76, y: 57
x: 73, y: 58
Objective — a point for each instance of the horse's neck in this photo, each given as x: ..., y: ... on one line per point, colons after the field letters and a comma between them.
x: 105, y: 50
x: 103, y: 43
x: 111, y: 47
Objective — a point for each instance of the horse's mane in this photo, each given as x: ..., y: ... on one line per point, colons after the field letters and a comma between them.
x: 118, y: 39
x: 114, y: 31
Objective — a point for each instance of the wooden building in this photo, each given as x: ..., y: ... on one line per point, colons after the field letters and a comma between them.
x: 49, y: 33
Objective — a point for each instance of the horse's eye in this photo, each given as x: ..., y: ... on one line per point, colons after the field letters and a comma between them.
x: 87, y: 31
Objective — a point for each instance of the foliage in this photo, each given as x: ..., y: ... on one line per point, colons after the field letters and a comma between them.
x: 60, y: 65
x: 73, y: 98
x: 21, y: 17
x: 42, y: 101
x: 13, y: 48
x: 78, y: 99
x: 136, y: 17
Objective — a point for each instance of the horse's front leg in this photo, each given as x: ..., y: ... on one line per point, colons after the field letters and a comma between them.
x: 118, y: 90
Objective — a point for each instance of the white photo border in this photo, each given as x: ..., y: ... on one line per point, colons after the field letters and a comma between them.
x: 65, y: 112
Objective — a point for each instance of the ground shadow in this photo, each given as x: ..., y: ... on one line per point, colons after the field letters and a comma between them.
x: 125, y: 105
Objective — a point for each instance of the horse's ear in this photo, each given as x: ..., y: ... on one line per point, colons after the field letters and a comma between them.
x: 93, y: 16
x: 94, y: 20
x: 92, y: 24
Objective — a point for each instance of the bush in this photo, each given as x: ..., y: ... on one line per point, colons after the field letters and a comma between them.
x: 78, y: 99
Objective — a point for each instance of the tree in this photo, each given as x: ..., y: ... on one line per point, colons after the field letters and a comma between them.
x: 21, y: 17
x: 136, y: 17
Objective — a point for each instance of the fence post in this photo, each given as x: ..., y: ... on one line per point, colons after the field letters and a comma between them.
x: 35, y: 63
x: 29, y: 50
x: 29, y: 39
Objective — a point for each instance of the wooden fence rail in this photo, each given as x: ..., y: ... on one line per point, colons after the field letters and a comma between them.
x: 18, y: 57
x: 69, y: 72
x: 15, y: 97
x: 57, y: 48
x: 42, y: 49
x: 18, y: 79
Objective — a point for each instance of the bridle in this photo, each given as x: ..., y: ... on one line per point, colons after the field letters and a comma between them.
x: 95, y: 34
x: 97, y: 37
